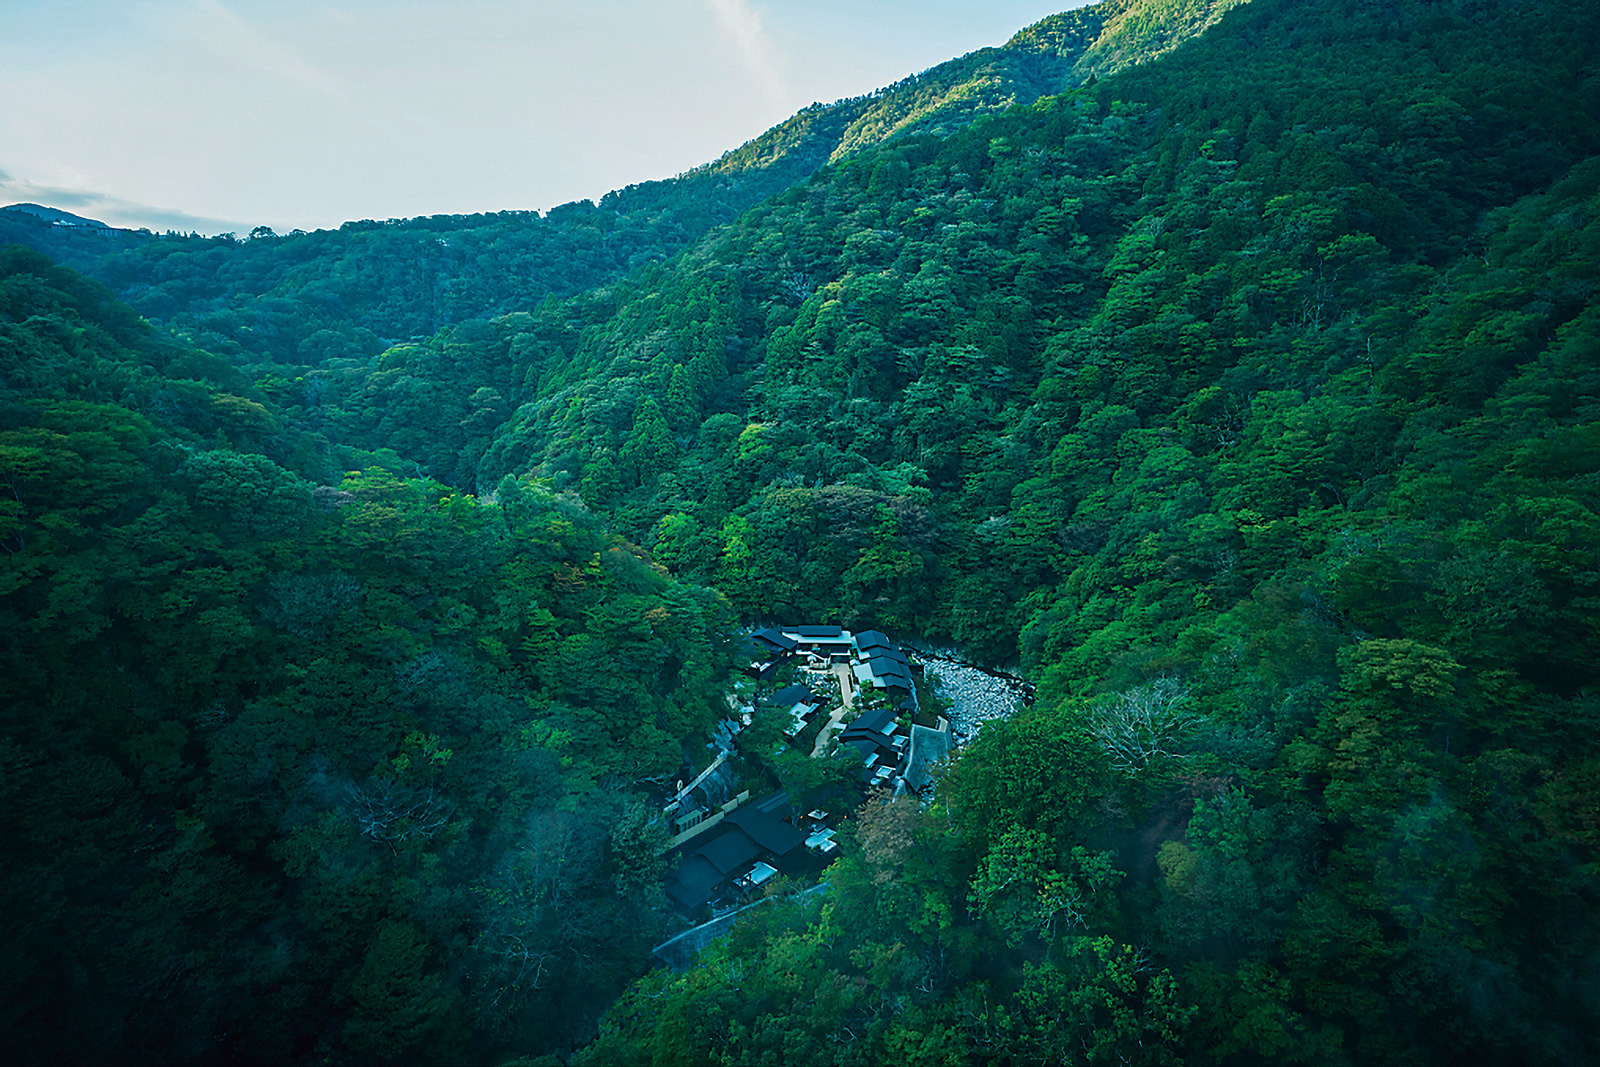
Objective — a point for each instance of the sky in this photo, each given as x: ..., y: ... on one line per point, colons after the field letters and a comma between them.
x: 224, y: 115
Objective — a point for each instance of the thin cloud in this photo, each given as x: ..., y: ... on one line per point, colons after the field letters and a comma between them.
x: 738, y: 21
x: 228, y: 34
x: 111, y: 210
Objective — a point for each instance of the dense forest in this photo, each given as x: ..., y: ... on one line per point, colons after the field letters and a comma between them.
x: 1232, y: 370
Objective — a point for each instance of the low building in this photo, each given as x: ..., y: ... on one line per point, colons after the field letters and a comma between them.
x: 879, y: 663
x: 755, y: 878
x: 820, y: 640
x: 877, y: 738
x: 877, y: 721
x: 737, y: 855
x: 775, y: 641
x: 765, y: 650
x: 822, y: 843
x: 800, y: 703
x: 769, y: 823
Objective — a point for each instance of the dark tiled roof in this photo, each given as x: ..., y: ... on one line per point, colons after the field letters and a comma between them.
x: 728, y: 850
x: 872, y: 744
x: 764, y: 821
x: 872, y: 639
x: 788, y: 698
x: 873, y: 721
x: 891, y: 668
x: 775, y: 804
x: 776, y: 640
x: 878, y: 743
x: 865, y: 746
x: 818, y: 631
x: 767, y: 829
x: 693, y: 883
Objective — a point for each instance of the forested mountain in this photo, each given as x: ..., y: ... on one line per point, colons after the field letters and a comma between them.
x: 310, y: 298
x: 1245, y: 397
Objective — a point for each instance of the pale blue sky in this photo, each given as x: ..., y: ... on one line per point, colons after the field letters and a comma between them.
x: 227, y: 114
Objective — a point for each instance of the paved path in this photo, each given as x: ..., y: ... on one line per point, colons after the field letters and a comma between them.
x: 847, y: 683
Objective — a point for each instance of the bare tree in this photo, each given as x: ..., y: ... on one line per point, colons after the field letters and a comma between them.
x: 1145, y: 723
x: 390, y: 812
x: 541, y: 921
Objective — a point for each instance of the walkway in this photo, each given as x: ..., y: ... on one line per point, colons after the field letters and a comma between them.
x: 722, y: 757
x: 847, y: 682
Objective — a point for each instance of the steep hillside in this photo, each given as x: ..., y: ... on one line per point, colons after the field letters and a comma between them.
x: 55, y: 216
x: 1052, y: 56
x: 1262, y: 217
x: 1248, y: 397
x: 281, y: 763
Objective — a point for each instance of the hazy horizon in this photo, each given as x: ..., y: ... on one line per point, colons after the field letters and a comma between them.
x: 216, y: 116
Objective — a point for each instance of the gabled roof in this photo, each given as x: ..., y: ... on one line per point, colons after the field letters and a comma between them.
x: 879, y: 745
x: 885, y: 660
x: 693, y: 883
x: 776, y: 640
x: 818, y: 631
x: 775, y: 804
x: 788, y: 698
x: 872, y: 639
x: 880, y: 720
x: 883, y: 679
x: 763, y: 821
x: 867, y: 748
x: 872, y: 745
x: 889, y: 667
x: 728, y: 850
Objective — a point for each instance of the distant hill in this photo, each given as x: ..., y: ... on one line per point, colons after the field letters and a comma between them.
x: 55, y: 216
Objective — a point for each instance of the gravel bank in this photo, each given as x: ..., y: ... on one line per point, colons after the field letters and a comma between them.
x: 976, y: 695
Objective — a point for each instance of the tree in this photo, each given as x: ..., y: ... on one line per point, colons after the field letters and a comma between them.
x: 1023, y: 888
x: 1144, y: 726
x: 400, y: 1010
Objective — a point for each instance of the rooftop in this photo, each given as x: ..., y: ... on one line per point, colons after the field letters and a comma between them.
x: 873, y: 639
x: 763, y: 821
x: 729, y: 850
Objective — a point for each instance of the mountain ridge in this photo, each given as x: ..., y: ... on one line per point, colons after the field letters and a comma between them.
x: 443, y: 269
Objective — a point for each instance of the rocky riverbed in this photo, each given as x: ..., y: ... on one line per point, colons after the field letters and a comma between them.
x: 977, y: 694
